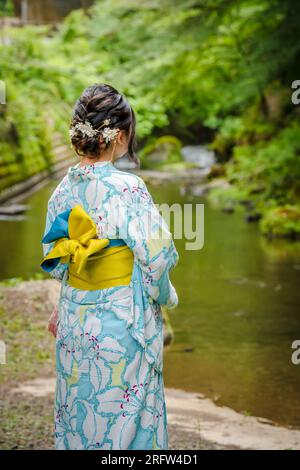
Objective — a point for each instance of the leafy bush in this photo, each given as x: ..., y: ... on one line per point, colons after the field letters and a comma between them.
x: 185, y: 67
x: 283, y: 221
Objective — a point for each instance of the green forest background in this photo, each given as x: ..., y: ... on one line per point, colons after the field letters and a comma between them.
x: 213, y: 72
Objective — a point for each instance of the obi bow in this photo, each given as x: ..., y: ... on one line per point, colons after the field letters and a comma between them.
x: 74, y: 232
x: 93, y: 262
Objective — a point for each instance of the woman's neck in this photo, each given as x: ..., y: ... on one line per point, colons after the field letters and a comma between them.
x: 89, y: 160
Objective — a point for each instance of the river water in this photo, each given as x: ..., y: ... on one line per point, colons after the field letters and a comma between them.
x: 238, y: 313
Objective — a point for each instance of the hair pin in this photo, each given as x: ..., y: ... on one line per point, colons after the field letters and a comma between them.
x: 87, y: 130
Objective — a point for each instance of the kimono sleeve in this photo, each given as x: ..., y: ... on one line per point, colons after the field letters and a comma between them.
x: 148, y: 236
x: 59, y: 271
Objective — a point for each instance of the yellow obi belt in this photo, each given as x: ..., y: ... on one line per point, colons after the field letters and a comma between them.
x: 94, y: 263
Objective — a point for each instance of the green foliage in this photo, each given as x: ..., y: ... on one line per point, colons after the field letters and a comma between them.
x: 282, y: 221
x: 227, y: 198
x: 223, y: 65
x: 272, y: 168
x: 6, y: 8
x: 161, y: 152
x: 35, y: 107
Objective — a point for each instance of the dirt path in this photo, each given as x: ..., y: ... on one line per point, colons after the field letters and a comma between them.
x: 197, y: 423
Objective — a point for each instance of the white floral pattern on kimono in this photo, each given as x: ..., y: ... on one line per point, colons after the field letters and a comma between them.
x: 109, y: 345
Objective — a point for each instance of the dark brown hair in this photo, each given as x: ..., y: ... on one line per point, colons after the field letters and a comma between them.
x: 97, y: 103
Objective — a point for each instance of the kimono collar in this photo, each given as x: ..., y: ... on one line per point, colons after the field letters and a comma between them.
x: 89, y: 171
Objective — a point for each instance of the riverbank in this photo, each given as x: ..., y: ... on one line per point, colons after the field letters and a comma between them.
x: 27, y: 388
x: 194, y: 422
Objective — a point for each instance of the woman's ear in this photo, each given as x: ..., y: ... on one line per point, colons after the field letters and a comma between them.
x: 121, y: 137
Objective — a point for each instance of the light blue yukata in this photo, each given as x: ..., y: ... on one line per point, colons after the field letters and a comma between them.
x: 109, y: 345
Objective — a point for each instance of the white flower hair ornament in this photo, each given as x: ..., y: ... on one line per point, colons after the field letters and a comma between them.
x: 87, y: 130
x: 109, y: 134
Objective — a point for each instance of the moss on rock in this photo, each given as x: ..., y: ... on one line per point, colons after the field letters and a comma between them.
x: 282, y: 221
x: 162, y: 151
